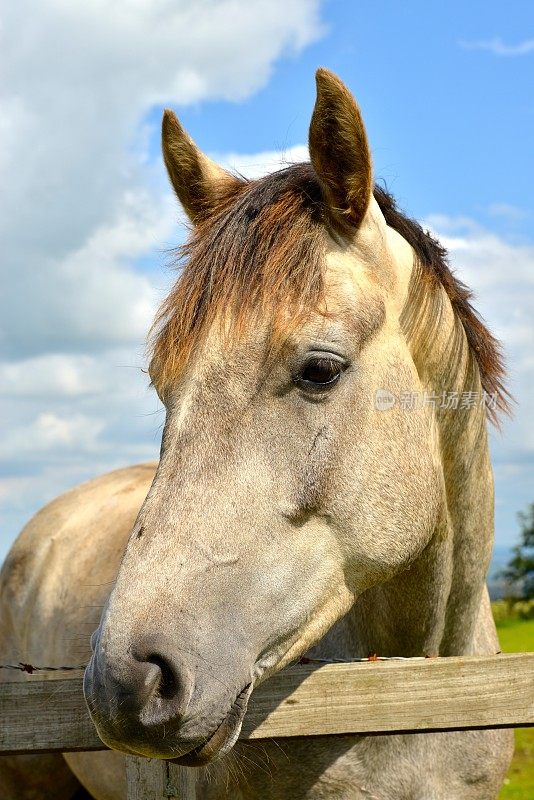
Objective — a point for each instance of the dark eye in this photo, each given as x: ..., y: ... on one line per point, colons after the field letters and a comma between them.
x: 320, y: 372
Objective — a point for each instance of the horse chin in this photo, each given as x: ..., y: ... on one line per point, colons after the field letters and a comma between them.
x: 221, y: 741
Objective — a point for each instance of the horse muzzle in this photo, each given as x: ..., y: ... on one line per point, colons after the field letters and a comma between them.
x: 151, y: 701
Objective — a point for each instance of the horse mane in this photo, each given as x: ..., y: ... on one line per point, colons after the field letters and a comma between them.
x: 432, y: 271
x: 258, y: 253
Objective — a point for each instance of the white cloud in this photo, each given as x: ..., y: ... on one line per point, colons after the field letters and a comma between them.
x: 257, y: 164
x: 66, y: 418
x: 502, y: 276
x: 79, y: 79
x: 499, y: 48
x: 89, y: 298
x: 51, y: 376
x: 50, y: 430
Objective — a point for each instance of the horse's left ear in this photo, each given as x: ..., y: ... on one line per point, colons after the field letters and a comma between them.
x: 194, y: 177
x: 339, y: 152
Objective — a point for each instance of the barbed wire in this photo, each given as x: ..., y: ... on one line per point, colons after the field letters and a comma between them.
x: 370, y: 658
x: 303, y: 660
x: 30, y: 669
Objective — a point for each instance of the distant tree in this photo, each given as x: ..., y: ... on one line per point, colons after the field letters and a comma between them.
x: 519, y: 572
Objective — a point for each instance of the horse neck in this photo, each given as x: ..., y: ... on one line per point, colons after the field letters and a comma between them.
x: 433, y: 606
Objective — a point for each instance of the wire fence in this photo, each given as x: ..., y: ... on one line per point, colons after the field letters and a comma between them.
x: 30, y: 668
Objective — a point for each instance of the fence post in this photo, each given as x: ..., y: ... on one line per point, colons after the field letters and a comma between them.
x: 154, y: 779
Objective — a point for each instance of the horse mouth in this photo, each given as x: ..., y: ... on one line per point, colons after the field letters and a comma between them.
x: 223, y: 737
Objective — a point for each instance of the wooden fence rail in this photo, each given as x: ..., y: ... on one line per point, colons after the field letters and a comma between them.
x: 443, y: 694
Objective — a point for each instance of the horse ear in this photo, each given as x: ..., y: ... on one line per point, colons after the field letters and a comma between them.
x: 194, y: 177
x: 339, y: 152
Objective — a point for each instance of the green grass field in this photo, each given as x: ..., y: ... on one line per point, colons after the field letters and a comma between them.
x: 518, y: 635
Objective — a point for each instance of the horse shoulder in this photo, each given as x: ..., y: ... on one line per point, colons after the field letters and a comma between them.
x: 61, y: 567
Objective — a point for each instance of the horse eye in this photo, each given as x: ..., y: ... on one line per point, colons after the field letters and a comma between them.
x: 320, y: 373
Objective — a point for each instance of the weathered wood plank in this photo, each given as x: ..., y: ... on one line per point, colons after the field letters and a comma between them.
x: 381, y: 697
x: 153, y: 779
x: 45, y: 716
x: 390, y: 696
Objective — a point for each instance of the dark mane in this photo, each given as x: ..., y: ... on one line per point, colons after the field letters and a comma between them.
x: 259, y: 253
x: 435, y: 270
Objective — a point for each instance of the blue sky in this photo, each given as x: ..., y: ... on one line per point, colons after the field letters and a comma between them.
x: 451, y: 124
x: 446, y: 93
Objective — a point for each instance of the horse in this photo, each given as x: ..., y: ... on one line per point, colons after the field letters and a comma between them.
x: 324, y: 487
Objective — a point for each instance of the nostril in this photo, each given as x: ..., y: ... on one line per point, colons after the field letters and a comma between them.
x: 167, y: 686
x: 164, y: 681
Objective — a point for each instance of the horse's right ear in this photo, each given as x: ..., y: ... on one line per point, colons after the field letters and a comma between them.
x: 194, y: 177
x: 340, y: 153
